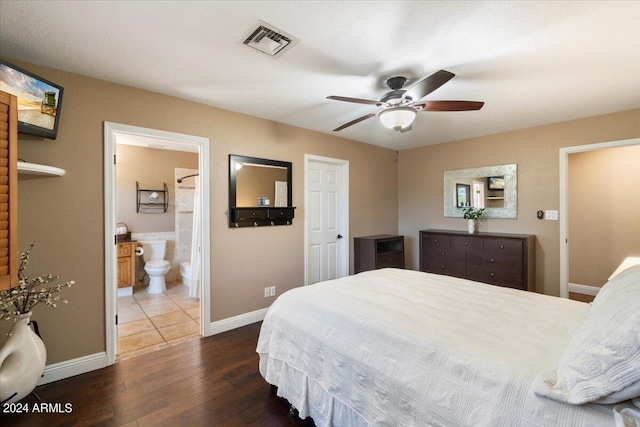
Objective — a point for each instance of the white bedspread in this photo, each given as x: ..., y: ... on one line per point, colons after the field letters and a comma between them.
x: 405, y: 348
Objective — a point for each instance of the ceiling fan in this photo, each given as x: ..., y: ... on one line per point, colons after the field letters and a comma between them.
x: 400, y: 106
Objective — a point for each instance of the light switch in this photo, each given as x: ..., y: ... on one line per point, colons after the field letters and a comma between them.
x: 551, y: 215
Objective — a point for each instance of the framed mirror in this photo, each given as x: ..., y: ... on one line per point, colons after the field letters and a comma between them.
x: 491, y: 187
x: 259, y: 191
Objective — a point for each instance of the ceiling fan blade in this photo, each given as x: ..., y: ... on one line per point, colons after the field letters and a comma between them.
x: 353, y: 122
x: 451, y: 105
x: 428, y: 84
x: 356, y: 100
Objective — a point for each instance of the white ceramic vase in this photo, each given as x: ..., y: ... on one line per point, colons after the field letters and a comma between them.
x: 471, y: 226
x: 22, y: 361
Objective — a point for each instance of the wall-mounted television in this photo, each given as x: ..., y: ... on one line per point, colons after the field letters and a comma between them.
x: 496, y: 182
x: 39, y: 100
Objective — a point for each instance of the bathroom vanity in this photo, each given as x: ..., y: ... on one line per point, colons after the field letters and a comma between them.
x: 126, y: 264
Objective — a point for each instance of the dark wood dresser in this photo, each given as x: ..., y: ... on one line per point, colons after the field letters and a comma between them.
x: 495, y: 258
x: 380, y: 251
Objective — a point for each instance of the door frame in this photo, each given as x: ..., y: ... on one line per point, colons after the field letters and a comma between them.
x: 564, y: 201
x: 343, y: 244
x: 111, y: 130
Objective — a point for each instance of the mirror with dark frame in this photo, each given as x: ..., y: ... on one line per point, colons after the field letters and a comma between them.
x: 259, y: 192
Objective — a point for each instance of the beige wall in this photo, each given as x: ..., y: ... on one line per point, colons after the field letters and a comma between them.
x: 603, y: 205
x: 151, y: 168
x: 65, y: 215
x: 535, y: 151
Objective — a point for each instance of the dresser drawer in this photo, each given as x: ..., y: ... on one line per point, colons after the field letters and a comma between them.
x: 507, y: 277
x: 467, y: 243
x: 497, y: 247
x: 390, y: 260
x: 436, y: 241
x: 445, y: 261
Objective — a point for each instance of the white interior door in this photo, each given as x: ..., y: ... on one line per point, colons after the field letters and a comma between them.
x: 281, y: 194
x: 326, y: 221
x: 478, y: 194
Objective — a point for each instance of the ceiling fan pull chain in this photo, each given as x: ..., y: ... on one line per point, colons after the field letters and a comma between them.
x: 395, y: 133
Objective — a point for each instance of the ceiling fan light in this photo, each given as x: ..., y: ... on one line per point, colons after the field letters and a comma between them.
x: 398, y: 117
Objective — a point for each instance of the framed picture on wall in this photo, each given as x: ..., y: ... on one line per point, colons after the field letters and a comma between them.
x: 463, y: 195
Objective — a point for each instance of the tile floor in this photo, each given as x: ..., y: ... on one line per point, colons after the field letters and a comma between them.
x: 148, y: 322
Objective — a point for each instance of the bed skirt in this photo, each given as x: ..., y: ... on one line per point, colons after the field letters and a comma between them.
x: 308, y: 397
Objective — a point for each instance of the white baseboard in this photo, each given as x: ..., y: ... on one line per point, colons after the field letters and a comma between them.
x: 91, y: 362
x: 70, y: 368
x: 238, y: 321
x: 125, y: 292
x: 583, y: 289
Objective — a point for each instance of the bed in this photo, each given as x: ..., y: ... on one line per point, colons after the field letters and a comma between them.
x: 404, y: 348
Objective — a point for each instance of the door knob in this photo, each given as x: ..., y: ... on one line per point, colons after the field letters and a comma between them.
x: 339, y: 236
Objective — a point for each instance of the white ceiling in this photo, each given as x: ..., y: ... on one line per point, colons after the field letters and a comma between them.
x: 532, y: 63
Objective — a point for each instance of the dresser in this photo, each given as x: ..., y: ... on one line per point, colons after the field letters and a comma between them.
x: 126, y: 264
x: 379, y: 251
x: 495, y: 258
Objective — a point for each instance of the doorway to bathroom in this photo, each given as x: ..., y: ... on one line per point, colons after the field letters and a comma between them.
x: 157, y: 239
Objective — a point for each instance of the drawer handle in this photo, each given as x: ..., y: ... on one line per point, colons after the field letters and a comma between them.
x: 466, y: 243
x: 435, y: 241
x: 493, y: 260
x: 442, y: 254
x: 442, y: 267
x: 501, y: 246
x: 253, y: 213
x: 492, y: 275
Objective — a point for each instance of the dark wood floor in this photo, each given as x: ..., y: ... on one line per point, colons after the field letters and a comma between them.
x: 211, y: 381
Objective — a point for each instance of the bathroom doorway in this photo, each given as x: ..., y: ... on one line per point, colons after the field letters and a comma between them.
x: 148, y: 200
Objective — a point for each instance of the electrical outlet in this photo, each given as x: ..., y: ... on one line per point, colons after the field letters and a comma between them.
x: 272, y: 291
x: 266, y: 292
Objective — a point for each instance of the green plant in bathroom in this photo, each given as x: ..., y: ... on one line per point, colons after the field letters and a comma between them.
x: 30, y: 292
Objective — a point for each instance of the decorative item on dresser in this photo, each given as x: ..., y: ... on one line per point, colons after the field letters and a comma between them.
x: 379, y: 251
x: 496, y: 258
x: 472, y: 215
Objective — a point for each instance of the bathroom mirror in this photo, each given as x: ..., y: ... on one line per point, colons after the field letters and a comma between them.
x: 491, y: 187
x: 259, y: 192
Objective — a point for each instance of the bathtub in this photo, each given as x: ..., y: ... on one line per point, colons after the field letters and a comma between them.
x: 185, y: 273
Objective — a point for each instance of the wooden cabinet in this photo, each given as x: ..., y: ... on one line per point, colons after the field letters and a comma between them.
x: 8, y: 191
x: 380, y: 251
x: 495, y: 258
x: 126, y: 264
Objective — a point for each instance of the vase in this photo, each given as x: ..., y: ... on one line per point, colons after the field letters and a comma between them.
x: 22, y: 361
x: 471, y: 226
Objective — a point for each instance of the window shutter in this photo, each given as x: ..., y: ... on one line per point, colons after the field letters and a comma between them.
x: 8, y: 191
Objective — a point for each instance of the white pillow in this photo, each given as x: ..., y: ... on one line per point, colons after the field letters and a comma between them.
x: 602, y: 361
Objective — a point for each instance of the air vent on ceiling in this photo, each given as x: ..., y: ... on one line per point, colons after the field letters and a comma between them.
x: 270, y: 40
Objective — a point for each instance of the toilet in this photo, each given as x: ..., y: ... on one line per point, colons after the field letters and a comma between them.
x: 155, y: 264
